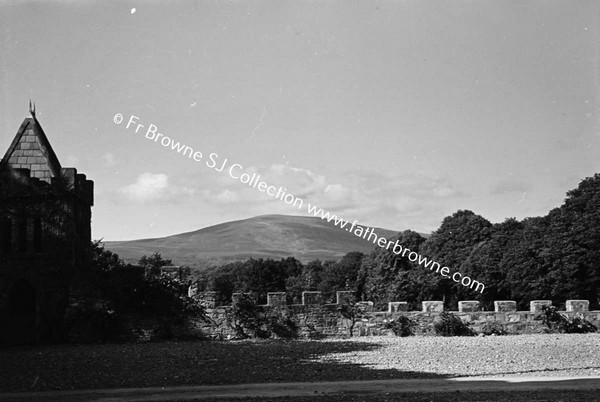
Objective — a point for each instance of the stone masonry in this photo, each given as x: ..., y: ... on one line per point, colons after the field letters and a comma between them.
x: 315, y: 317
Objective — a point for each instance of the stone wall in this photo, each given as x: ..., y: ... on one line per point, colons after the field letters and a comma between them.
x: 316, y: 319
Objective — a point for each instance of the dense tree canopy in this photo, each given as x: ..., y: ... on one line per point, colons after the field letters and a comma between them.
x: 261, y: 276
x: 553, y: 257
x: 387, y: 277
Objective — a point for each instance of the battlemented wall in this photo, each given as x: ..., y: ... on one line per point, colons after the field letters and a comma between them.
x: 315, y: 319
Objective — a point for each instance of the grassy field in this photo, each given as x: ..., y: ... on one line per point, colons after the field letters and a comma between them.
x: 63, y: 367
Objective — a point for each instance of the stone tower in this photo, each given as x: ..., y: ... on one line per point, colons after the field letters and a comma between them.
x: 45, y: 235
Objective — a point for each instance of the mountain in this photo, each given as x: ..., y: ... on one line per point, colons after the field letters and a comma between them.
x: 265, y: 236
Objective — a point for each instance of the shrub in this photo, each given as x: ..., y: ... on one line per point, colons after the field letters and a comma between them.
x: 451, y: 325
x: 578, y: 325
x: 557, y: 322
x: 282, y: 326
x: 352, y: 313
x: 244, y: 318
x: 493, y: 328
x: 249, y: 320
x: 93, y: 323
x: 126, y: 291
x: 402, y: 326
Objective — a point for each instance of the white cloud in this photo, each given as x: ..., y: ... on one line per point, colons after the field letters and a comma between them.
x: 152, y: 187
x: 337, y: 192
x: 227, y: 196
x: 389, y: 200
x: 301, y: 182
x: 385, y: 199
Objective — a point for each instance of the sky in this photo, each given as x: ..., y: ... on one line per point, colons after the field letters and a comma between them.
x: 393, y: 113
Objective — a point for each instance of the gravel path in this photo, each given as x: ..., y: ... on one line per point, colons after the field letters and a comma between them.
x: 557, y: 354
x: 483, y: 388
x: 64, y: 367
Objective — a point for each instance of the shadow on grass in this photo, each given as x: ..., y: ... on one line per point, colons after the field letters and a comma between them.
x: 63, y: 367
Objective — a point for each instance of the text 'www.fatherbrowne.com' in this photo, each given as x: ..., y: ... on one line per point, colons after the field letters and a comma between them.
x: 253, y: 179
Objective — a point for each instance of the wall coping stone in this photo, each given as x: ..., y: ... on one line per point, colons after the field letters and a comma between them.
x: 535, y: 306
x: 505, y: 306
x: 577, y: 305
x: 468, y: 306
x: 433, y: 306
x: 312, y: 297
x: 394, y: 307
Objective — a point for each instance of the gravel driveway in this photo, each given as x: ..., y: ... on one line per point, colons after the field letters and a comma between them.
x: 64, y: 367
x: 544, y: 355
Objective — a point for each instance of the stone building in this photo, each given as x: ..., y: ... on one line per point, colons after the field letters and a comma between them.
x: 45, y: 235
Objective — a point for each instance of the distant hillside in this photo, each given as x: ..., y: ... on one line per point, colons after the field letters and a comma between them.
x: 266, y: 236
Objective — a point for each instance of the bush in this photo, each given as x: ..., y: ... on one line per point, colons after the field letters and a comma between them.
x: 111, y: 291
x: 493, y: 328
x: 402, y: 326
x: 244, y: 318
x: 282, y: 326
x: 451, y: 325
x: 557, y: 322
x: 249, y: 320
x: 93, y: 323
x: 578, y: 325
x: 351, y: 312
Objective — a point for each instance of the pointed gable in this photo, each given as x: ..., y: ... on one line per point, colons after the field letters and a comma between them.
x: 31, y: 150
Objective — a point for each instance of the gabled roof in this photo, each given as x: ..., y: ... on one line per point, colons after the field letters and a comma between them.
x: 30, y: 149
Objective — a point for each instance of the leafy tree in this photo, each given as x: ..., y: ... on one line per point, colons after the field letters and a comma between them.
x: 525, y: 263
x: 385, y: 276
x: 341, y: 275
x: 291, y: 266
x: 261, y: 276
x: 452, y: 244
x: 312, y: 274
x: 573, y: 243
x: 153, y: 263
x: 104, y: 260
x: 308, y: 279
x: 487, y: 263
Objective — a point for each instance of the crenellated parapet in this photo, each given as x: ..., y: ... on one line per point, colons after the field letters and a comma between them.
x: 313, y: 315
x: 77, y: 184
x: 279, y: 299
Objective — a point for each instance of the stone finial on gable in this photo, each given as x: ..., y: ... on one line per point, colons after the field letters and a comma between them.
x: 32, y: 109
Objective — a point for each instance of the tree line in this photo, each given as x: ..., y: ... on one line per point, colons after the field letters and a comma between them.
x: 259, y: 276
